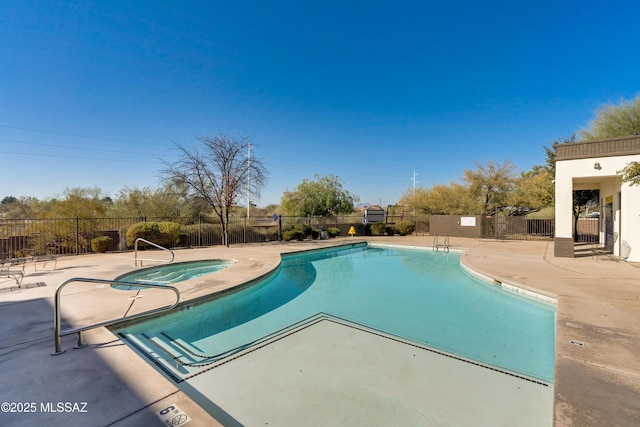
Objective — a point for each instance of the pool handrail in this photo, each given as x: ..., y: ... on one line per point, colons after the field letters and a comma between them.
x: 58, y: 334
x: 135, y: 252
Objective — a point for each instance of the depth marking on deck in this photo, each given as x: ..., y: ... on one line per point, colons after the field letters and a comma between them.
x: 173, y: 416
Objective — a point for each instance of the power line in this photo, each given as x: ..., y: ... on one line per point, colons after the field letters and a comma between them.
x: 103, y: 138
x: 71, y: 147
x: 76, y: 157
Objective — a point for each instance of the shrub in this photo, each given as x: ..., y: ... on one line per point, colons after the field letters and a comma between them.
x: 405, y: 227
x: 378, y: 229
x: 333, y: 231
x: 169, y: 233
x: 292, y: 235
x: 163, y: 233
x: 270, y: 234
x: 390, y: 230
x: 101, y: 244
x: 300, y: 232
x: 145, y: 230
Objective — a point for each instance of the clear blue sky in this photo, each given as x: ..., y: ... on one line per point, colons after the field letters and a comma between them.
x: 93, y: 93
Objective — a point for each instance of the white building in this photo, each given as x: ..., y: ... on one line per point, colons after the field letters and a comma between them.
x: 596, y: 165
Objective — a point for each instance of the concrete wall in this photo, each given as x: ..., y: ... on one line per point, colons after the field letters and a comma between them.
x: 454, y: 225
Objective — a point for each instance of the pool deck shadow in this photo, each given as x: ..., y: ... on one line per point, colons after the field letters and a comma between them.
x: 597, y: 379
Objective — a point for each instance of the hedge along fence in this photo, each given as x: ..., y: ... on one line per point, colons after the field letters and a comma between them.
x: 161, y: 233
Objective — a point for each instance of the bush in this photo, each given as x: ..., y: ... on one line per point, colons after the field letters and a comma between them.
x: 405, y: 227
x: 333, y: 231
x: 292, y: 235
x: 160, y: 233
x: 378, y: 229
x: 300, y: 232
x: 271, y: 234
x: 390, y: 230
x: 169, y: 233
x: 101, y: 244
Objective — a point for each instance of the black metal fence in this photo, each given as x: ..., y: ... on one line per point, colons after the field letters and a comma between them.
x: 67, y: 236
x: 517, y: 228
x: 521, y: 228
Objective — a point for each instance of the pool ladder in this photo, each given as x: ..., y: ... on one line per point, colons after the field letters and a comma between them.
x: 101, y: 284
x: 437, y: 245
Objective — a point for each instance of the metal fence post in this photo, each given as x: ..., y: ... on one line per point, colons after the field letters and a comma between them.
x: 77, y: 235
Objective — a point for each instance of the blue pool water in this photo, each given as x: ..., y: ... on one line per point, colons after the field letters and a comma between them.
x: 421, y: 296
x: 173, y: 273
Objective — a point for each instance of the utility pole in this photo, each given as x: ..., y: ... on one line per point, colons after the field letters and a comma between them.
x: 248, y: 179
x: 413, y: 193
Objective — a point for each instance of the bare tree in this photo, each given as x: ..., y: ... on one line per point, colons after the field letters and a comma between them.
x: 220, y: 170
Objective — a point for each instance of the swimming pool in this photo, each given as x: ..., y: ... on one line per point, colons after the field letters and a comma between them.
x: 173, y: 273
x: 416, y: 295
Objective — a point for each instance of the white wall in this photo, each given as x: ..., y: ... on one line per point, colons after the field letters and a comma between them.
x: 581, y: 174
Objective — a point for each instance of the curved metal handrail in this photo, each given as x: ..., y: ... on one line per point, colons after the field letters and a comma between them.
x: 135, y: 251
x: 56, y: 319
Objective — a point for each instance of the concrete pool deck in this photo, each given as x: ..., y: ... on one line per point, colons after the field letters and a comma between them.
x: 597, y: 379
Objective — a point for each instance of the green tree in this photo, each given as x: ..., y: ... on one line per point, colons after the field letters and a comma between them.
x: 631, y: 173
x: 218, y: 171
x: 160, y: 202
x: 24, y: 207
x: 8, y: 200
x: 79, y: 202
x: 451, y: 199
x: 491, y: 185
x: 534, y: 190
x: 613, y: 121
x: 322, y: 197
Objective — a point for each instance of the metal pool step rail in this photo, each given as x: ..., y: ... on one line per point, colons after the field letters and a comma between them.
x: 58, y: 334
x: 135, y: 252
x: 437, y: 245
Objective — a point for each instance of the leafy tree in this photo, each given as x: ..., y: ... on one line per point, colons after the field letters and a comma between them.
x: 491, y: 184
x: 323, y: 197
x: 24, y: 207
x: 160, y: 202
x: 8, y: 200
x: 631, y: 173
x: 613, y: 121
x: 79, y: 202
x: 218, y: 171
x: 534, y: 190
x: 451, y: 199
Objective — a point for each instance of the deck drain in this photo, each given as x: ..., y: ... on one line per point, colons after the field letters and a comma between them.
x: 578, y: 343
x: 574, y: 325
